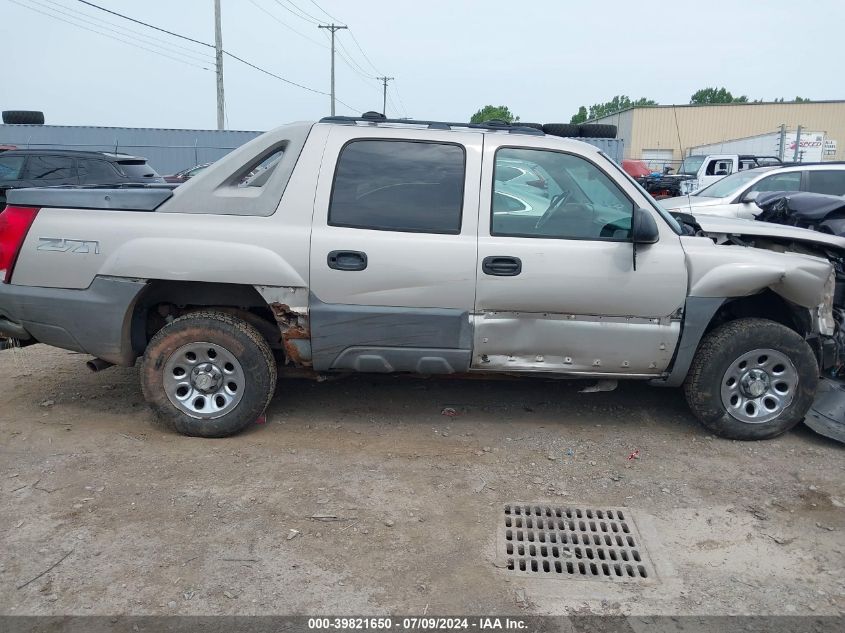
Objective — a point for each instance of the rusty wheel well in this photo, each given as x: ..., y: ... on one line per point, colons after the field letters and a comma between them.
x: 162, y: 301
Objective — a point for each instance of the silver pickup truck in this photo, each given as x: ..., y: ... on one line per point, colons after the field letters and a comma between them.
x: 374, y: 245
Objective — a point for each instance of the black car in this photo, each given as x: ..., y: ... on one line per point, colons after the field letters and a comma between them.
x: 50, y: 167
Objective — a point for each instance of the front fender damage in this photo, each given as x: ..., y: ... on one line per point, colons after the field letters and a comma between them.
x: 738, y: 271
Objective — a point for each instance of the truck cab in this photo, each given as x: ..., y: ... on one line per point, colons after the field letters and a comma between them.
x: 700, y: 171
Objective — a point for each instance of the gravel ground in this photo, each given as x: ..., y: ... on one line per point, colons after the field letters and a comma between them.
x: 105, y: 513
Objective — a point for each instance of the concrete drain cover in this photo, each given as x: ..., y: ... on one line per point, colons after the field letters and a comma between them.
x: 577, y: 543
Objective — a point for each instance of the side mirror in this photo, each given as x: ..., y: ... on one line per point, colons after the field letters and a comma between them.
x: 751, y: 196
x: 643, y: 228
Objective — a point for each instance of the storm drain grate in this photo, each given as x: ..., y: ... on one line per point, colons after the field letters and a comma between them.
x: 577, y: 543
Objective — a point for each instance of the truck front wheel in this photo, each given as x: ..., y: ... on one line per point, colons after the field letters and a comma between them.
x: 752, y: 379
x: 208, y: 374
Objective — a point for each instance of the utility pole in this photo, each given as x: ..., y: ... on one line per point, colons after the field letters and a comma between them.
x: 384, y: 81
x: 782, y: 142
x: 218, y: 55
x: 332, y: 28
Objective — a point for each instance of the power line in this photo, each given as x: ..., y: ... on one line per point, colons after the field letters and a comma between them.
x: 300, y: 13
x: 304, y: 12
x: 324, y: 11
x: 225, y: 52
x: 355, y: 39
x: 156, y: 41
x: 286, y: 25
x: 399, y: 97
x: 117, y: 39
x: 126, y: 17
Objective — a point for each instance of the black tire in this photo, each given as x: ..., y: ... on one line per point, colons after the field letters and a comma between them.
x: 597, y: 130
x: 725, y: 345
x: 536, y: 126
x: 23, y: 117
x: 256, y: 369
x: 569, y: 130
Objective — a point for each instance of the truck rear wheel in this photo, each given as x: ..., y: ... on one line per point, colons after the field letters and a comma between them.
x: 752, y: 379
x: 208, y: 374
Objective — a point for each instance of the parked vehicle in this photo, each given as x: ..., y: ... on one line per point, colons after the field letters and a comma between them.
x: 815, y: 211
x: 51, y: 167
x: 698, y: 172
x: 186, y: 174
x: 360, y: 248
x: 735, y: 195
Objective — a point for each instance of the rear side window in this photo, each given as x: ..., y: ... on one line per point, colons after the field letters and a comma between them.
x: 789, y: 181
x: 50, y: 168
x: 10, y: 167
x: 831, y: 181
x: 93, y: 172
x: 406, y: 186
x: 137, y: 169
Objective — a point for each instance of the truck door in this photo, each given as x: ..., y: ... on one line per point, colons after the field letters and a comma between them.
x: 557, y: 289
x: 393, y: 250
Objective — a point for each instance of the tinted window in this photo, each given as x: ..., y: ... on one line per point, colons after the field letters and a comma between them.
x: 583, y: 201
x: 93, y: 172
x: 49, y: 168
x: 399, y: 186
x: 826, y: 181
x: 10, y: 167
x: 790, y: 181
x: 137, y: 169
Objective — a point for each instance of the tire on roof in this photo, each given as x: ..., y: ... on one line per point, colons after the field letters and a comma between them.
x: 570, y: 130
x: 23, y: 117
x: 597, y: 130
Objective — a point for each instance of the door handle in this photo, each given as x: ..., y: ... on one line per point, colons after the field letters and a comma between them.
x: 347, y: 260
x: 501, y: 266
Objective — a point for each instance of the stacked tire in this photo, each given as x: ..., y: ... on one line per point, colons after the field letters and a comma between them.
x: 23, y: 117
x: 584, y: 130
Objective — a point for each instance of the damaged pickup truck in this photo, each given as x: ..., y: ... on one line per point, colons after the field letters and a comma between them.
x: 375, y: 245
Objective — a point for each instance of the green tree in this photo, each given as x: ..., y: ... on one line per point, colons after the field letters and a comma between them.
x: 580, y: 116
x: 619, y: 102
x: 716, y: 95
x: 802, y: 100
x: 489, y: 112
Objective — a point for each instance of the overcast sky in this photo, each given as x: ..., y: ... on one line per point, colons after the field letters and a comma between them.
x: 543, y: 59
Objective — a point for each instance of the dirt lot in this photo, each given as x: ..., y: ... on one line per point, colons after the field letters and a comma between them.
x: 147, y: 522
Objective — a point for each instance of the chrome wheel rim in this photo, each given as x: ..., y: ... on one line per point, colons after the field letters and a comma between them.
x: 759, y: 385
x: 204, y: 380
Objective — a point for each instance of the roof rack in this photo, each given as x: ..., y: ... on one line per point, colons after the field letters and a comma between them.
x: 375, y: 118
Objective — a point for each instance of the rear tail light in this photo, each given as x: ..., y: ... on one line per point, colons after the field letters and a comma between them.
x: 14, y: 225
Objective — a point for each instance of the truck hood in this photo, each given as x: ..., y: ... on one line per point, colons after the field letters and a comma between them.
x: 719, y: 225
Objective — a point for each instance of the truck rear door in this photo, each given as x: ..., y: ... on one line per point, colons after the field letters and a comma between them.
x: 393, y: 250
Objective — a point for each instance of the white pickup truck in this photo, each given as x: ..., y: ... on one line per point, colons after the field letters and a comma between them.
x: 700, y: 171
x: 375, y: 245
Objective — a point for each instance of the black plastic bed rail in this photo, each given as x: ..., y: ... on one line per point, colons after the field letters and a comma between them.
x: 124, y: 197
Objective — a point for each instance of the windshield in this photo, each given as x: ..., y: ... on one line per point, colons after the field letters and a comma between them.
x: 691, y: 165
x: 729, y: 185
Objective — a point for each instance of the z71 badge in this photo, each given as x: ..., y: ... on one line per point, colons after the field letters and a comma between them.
x: 59, y: 245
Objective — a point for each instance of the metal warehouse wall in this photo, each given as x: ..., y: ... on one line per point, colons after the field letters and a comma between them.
x: 168, y: 151
x: 613, y: 147
x: 654, y: 128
